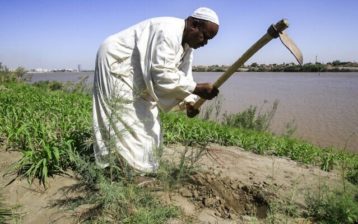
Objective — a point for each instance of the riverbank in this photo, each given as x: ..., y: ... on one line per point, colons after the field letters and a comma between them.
x: 230, y: 185
x: 51, y: 129
x: 335, y: 66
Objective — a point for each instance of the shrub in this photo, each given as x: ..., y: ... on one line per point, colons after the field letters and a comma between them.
x: 251, y: 118
x: 332, y: 207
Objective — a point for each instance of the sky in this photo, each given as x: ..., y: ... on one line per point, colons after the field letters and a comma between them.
x: 57, y: 34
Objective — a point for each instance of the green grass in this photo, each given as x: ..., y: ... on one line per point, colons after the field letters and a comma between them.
x: 178, y: 128
x: 332, y: 206
x: 46, y: 126
x: 49, y: 126
x: 111, y: 196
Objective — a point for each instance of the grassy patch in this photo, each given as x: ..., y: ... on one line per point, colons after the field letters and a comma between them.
x: 178, y: 128
x: 49, y: 126
x: 327, y: 206
x: 112, y: 196
x: 46, y: 126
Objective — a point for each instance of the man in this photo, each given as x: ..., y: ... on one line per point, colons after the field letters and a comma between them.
x: 140, y: 70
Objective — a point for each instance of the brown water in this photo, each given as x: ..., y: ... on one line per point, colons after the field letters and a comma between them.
x: 324, y: 106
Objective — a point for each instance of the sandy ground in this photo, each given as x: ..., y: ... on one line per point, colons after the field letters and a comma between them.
x: 231, y: 186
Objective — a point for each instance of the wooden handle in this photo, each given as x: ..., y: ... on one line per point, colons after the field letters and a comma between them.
x: 272, y: 32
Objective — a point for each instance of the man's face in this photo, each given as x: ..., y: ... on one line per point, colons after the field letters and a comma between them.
x: 199, y: 35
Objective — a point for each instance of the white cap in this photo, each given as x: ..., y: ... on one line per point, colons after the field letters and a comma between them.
x: 206, y: 14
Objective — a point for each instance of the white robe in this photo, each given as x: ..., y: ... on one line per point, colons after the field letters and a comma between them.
x: 138, y: 70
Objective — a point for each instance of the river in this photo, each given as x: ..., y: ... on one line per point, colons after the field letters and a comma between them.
x: 323, y: 107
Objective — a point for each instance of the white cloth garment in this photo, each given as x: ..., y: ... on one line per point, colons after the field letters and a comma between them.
x: 138, y: 71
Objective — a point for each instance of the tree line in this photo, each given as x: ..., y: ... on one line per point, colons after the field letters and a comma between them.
x: 334, y: 66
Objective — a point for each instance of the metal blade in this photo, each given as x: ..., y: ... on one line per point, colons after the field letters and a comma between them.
x: 291, y: 46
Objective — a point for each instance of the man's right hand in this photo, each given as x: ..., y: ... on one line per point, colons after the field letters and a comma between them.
x: 206, y: 91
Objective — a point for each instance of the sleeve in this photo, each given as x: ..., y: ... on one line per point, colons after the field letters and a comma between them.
x: 168, y: 79
x: 186, y: 67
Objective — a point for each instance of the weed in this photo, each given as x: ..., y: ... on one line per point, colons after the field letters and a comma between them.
x: 352, y: 175
x: 113, y: 197
x: 332, y: 207
x: 173, y: 173
x: 251, y: 118
x: 211, y: 110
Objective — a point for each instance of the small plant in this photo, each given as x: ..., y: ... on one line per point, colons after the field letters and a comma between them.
x: 173, y: 173
x: 52, y: 85
x: 328, y: 161
x: 251, y: 118
x: 212, y: 109
x: 290, y: 128
x: 331, y: 207
x: 352, y: 175
x: 113, y: 197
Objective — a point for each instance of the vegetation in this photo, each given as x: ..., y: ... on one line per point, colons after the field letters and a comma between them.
x: 51, y: 125
x: 251, y: 118
x: 11, y: 76
x: 335, y: 66
x: 333, y: 207
x: 46, y: 126
x: 178, y: 129
x: 113, y: 197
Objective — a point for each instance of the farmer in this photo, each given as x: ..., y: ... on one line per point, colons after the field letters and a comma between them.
x: 140, y: 70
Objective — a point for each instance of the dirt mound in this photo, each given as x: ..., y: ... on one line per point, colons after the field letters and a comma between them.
x: 230, y: 198
x: 235, y: 186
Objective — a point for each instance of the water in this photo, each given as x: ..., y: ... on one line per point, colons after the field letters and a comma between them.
x: 324, y: 107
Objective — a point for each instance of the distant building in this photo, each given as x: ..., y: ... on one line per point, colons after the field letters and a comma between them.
x: 39, y: 70
x: 79, y: 67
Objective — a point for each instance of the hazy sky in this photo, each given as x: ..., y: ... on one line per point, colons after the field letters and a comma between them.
x: 58, y: 34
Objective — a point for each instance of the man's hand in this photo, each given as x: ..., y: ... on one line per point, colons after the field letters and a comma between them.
x: 206, y: 91
x: 191, y: 111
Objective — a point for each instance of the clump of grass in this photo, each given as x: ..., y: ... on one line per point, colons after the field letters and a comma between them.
x: 111, y: 196
x: 211, y: 110
x: 332, y: 206
x: 116, y: 202
x: 352, y: 175
x: 51, y: 85
x: 81, y: 86
x: 173, y: 173
x: 251, y: 118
